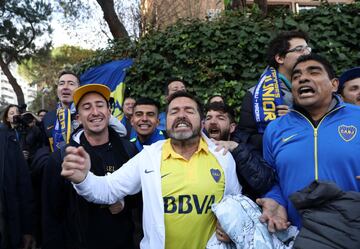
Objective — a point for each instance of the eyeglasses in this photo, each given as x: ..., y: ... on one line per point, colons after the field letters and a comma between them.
x: 299, y: 49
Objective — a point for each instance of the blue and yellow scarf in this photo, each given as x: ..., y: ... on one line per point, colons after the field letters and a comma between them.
x: 266, y: 97
x: 63, y: 126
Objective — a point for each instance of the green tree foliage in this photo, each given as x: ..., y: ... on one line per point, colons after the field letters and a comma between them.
x: 22, y: 22
x: 43, y: 69
x: 227, y: 56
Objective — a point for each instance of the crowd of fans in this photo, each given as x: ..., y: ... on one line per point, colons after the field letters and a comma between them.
x: 76, y: 177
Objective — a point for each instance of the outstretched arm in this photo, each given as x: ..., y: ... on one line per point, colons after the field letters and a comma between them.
x: 76, y: 164
x: 100, y: 189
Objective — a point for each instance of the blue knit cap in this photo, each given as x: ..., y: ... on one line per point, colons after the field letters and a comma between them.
x: 348, y: 75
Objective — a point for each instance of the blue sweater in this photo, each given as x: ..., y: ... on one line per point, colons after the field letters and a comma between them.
x: 301, y: 153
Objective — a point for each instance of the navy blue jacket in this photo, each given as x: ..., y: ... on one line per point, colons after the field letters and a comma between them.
x: 254, y: 174
x: 49, y: 124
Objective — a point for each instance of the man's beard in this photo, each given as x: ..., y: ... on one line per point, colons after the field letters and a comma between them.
x: 222, y: 136
x: 183, y: 135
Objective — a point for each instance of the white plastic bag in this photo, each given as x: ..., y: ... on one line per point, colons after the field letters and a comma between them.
x: 239, y: 218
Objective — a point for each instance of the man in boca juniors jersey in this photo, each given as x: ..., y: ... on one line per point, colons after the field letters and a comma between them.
x: 180, y: 179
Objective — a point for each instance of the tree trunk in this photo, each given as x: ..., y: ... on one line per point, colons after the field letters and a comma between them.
x: 262, y: 5
x: 13, y: 82
x: 117, y: 29
x: 238, y: 4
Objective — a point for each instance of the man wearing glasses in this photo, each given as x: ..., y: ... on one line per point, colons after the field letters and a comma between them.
x: 271, y: 96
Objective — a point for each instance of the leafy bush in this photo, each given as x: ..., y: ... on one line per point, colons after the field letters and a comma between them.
x: 227, y: 56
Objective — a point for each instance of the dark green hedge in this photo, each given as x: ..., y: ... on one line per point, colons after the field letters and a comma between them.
x: 226, y: 56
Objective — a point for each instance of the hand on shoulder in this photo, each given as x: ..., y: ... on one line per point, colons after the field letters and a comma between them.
x: 226, y: 145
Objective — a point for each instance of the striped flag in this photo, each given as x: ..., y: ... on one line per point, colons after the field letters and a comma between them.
x: 111, y: 74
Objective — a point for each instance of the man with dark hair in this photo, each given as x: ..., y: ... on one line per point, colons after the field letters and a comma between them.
x: 41, y: 113
x: 280, y: 50
x: 216, y: 98
x: 58, y: 126
x: 173, y: 85
x: 144, y: 120
x: 68, y: 220
x: 128, y: 110
x: 349, y: 86
x: 255, y: 176
x: 180, y: 179
x: 317, y: 140
x: 59, y: 123
x: 219, y: 121
x: 271, y: 96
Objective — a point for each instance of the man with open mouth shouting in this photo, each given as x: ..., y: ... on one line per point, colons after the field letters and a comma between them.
x: 318, y: 140
x: 180, y: 179
x: 255, y: 175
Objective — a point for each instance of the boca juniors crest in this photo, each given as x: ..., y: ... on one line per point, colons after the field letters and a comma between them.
x: 347, y: 132
x: 216, y: 174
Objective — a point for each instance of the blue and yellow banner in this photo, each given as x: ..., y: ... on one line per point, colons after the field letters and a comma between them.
x: 111, y: 74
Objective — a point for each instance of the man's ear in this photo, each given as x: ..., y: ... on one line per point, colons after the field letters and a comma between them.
x: 232, y: 127
x: 335, y: 84
x: 77, y: 118
x: 279, y: 59
x: 157, y: 121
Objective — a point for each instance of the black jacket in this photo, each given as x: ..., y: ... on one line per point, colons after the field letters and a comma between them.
x: 254, y: 174
x: 16, y: 192
x: 66, y: 215
x: 246, y: 131
x: 330, y: 217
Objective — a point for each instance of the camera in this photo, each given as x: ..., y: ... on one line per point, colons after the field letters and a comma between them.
x: 23, y: 121
x: 29, y: 135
